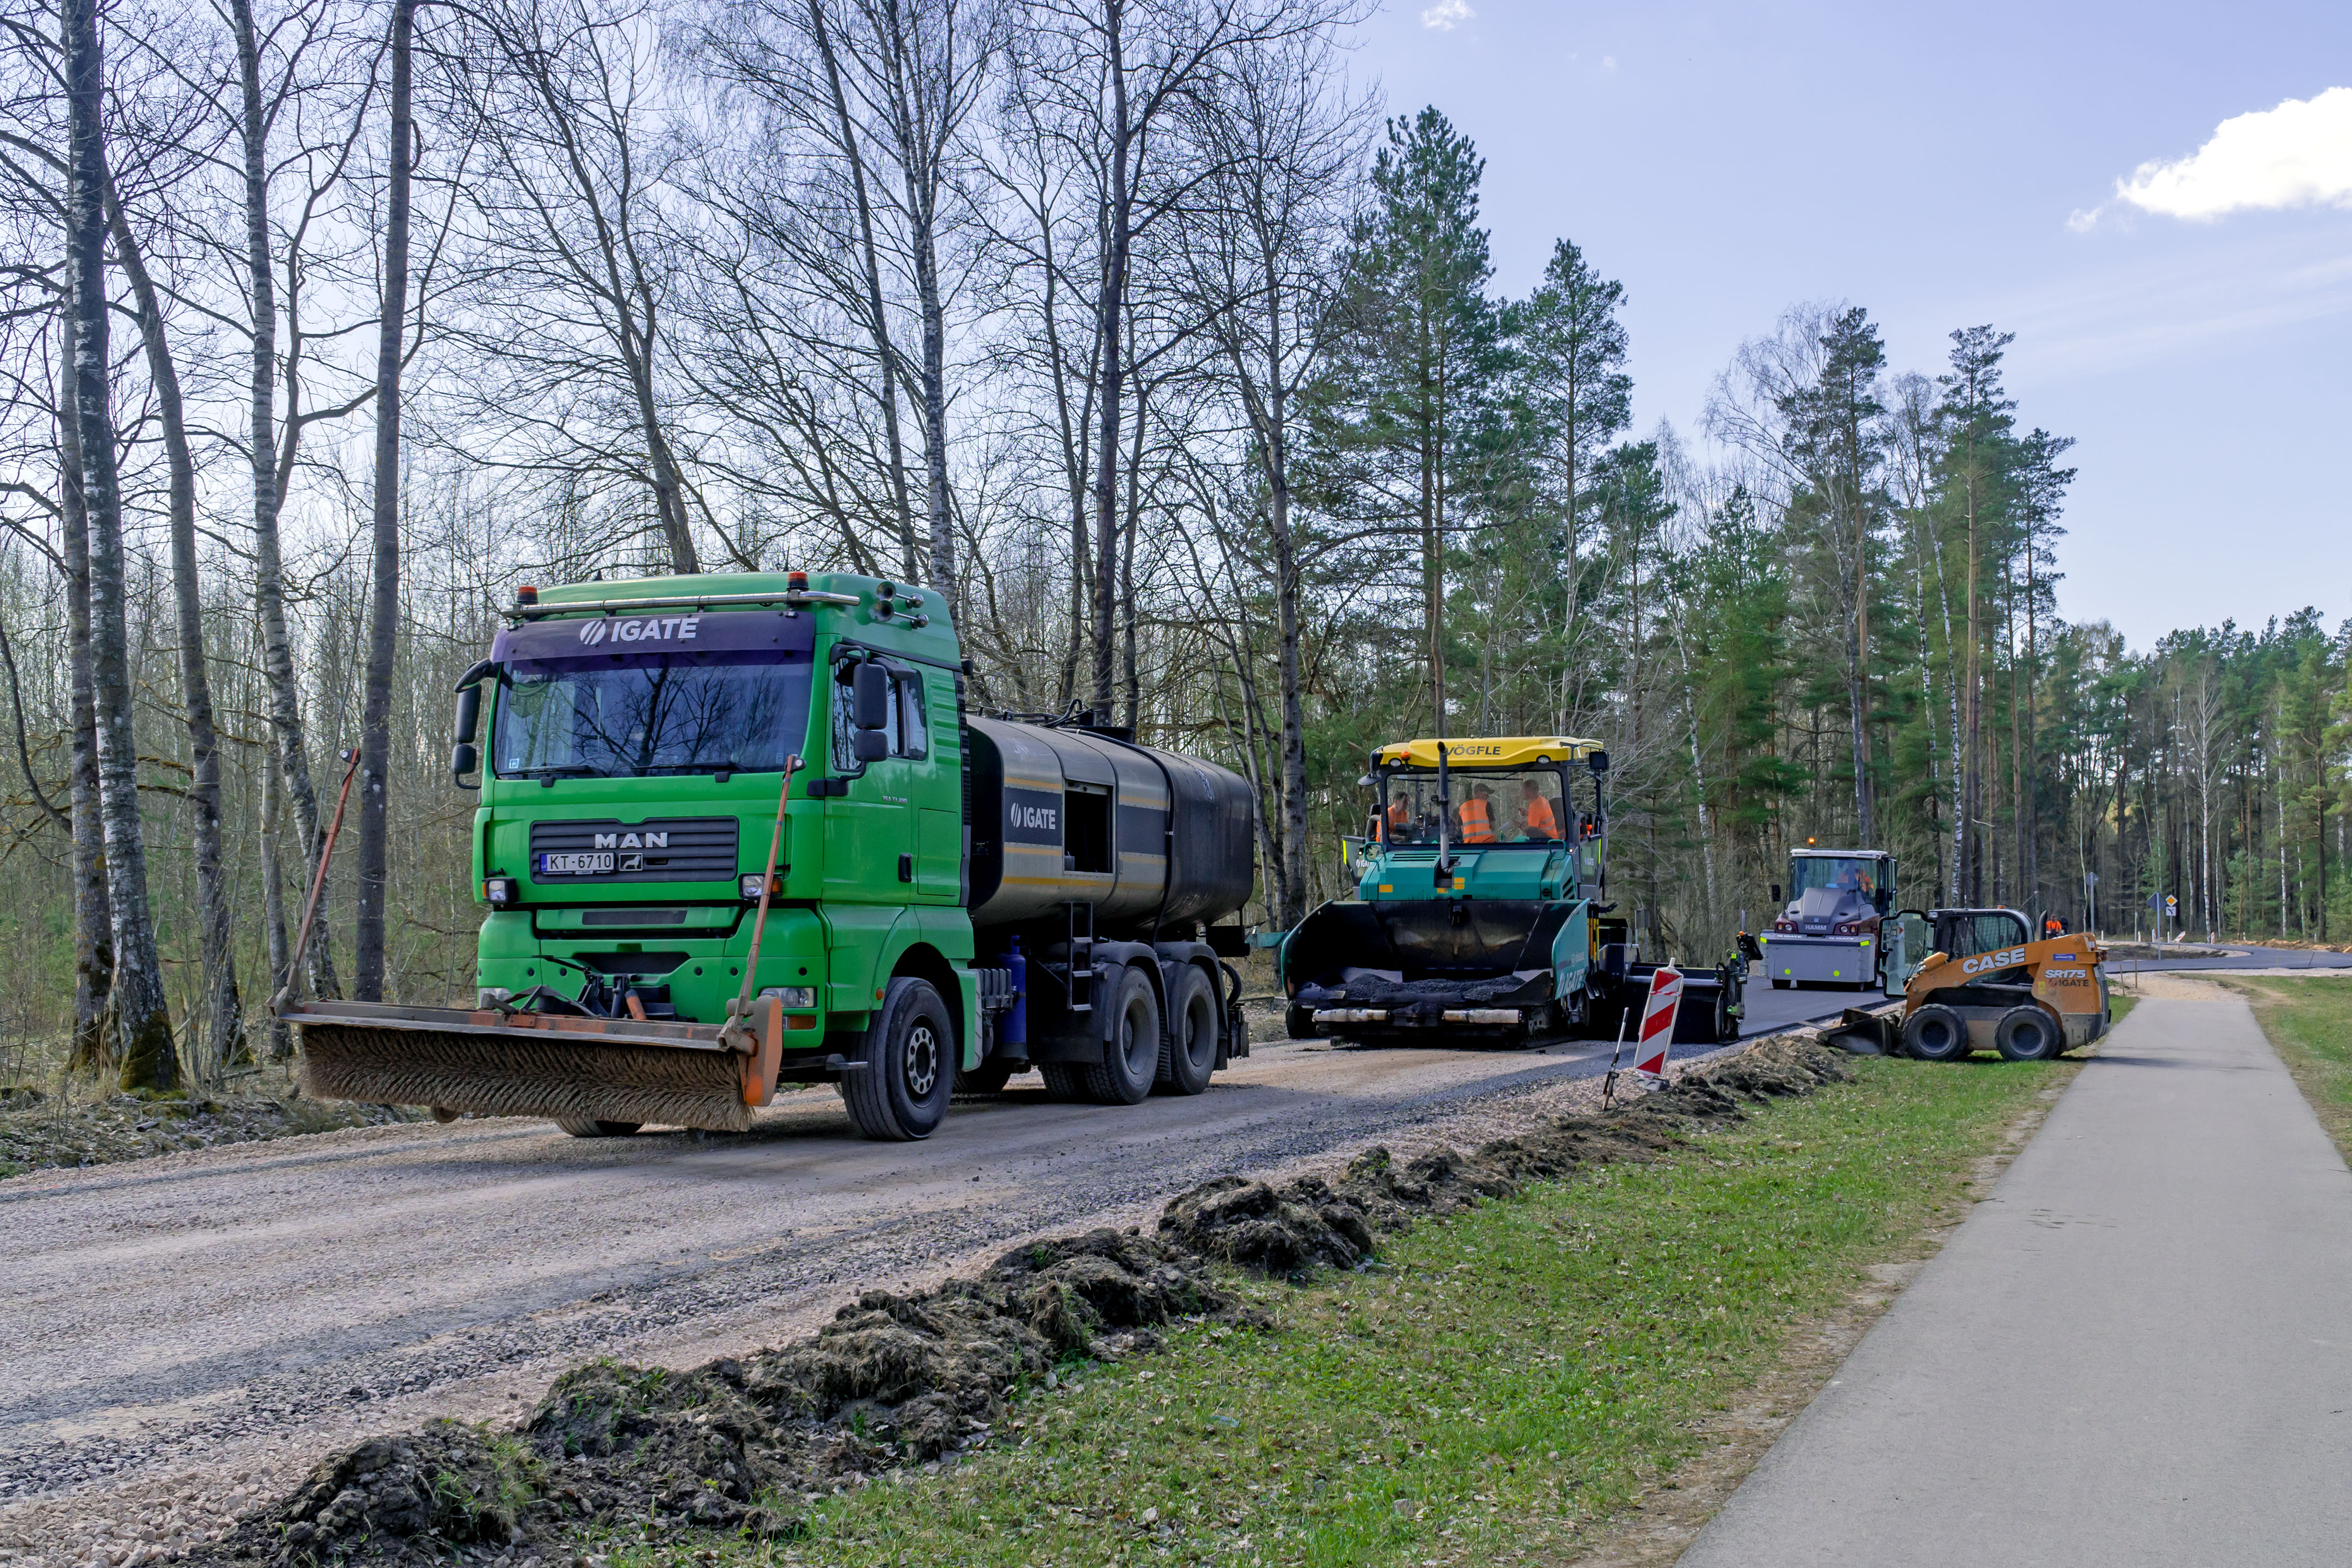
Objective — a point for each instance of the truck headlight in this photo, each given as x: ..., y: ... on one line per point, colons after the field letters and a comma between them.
x: 793, y: 996
x: 498, y: 891
x: 753, y: 882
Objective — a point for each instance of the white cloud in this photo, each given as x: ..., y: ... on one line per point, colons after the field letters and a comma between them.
x: 1446, y: 14
x: 2296, y: 155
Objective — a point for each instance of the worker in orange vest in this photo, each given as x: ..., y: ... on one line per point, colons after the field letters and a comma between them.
x: 1399, y: 820
x: 1541, y: 822
x: 1478, y: 817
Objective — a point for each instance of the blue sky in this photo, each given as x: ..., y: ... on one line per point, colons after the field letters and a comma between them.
x: 1943, y: 167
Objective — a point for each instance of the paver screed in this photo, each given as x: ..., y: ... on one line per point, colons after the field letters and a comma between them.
x: 2137, y: 1350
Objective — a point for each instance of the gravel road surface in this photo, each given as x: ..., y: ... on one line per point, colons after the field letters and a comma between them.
x: 196, y: 1329
x: 2134, y: 1352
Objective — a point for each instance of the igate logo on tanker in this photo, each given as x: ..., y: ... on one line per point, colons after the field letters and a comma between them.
x: 639, y: 629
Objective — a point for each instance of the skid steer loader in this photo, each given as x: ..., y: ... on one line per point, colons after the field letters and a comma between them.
x: 1985, y: 985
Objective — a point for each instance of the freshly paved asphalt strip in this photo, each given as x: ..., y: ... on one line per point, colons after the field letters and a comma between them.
x: 2139, y: 1350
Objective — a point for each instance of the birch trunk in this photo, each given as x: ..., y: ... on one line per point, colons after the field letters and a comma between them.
x: 93, y: 1046
x: 290, y: 754
x: 383, y: 609
x: 216, y: 1036
x: 142, y: 1016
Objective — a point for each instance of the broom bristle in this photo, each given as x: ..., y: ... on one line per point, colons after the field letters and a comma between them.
x: 512, y: 1074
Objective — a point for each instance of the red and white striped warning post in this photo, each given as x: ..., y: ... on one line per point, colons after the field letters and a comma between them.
x: 1658, y: 1023
x: 1657, y: 1036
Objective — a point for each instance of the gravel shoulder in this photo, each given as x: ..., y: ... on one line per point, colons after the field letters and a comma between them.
x: 191, y: 1332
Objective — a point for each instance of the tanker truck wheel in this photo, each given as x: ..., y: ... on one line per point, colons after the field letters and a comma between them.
x: 1189, y: 1054
x: 1131, y: 1058
x: 2026, y: 1034
x: 1935, y: 1033
x: 900, y: 1092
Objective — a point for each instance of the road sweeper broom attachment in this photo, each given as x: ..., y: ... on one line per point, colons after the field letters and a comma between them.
x: 543, y: 1054
x: 503, y: 1063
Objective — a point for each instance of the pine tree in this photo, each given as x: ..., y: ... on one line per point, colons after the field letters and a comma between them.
x: 1836, y: 441
x: 1979, y: 414
x: 1414, y: 395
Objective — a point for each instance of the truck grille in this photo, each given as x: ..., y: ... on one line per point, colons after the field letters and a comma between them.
x: 674, y: 848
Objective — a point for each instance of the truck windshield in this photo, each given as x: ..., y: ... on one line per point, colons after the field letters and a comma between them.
x: 1856, y: 876
x: 632, y: 715
x: 1489, y: 805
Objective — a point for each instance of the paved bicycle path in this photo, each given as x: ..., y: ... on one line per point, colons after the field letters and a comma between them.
x: 2137, y: 1350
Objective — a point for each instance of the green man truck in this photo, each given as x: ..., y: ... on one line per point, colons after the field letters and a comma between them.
x: 741, y: 831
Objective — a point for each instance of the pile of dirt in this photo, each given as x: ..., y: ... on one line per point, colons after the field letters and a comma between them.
x: 894, y: 1380
x: 449, y: 1485
x: 897, y: 1380
x: 1312, y: 1223
x: 41, y: 1131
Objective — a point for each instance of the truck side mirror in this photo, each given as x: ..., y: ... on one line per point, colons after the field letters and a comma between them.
x: 870, y: 744
x: 1776, y: 895
x: 1598, y: 761
x: 469, y: 716
x: 870, y: 701
x: 464, y: 759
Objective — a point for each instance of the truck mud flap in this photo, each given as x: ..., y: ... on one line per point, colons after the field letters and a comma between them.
x: 563, y: 1068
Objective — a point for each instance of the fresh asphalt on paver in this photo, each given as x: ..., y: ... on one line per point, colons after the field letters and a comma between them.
x: 2137, y: 1350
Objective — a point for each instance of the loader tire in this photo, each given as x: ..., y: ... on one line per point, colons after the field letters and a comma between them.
x: 908, y: 1066
x: 2027, y: 1034
x: 1132, y: 1056
x: 1190, y: 1052
x: 1935, y: 1033
x: 587, y: 1127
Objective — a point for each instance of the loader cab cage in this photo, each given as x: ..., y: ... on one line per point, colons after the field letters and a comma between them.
x: 1964, y: 933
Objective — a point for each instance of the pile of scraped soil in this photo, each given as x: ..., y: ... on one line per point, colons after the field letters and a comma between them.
x: 1313, y: 1222
x: 904, y: 1379
x: 41, y: 1131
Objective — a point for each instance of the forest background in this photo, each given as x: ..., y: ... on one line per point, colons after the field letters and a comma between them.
x: 1132, y: 328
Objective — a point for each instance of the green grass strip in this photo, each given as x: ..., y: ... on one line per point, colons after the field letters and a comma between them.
x: 2309, y: 1024
x: 1500, y: 1383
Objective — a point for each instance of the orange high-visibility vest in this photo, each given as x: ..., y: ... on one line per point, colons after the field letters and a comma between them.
x: 1400, y: 818
x: 1477, y: 827
x: 1541, y: 823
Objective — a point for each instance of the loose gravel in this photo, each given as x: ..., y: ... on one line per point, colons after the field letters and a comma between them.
x: 195, y: 1333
